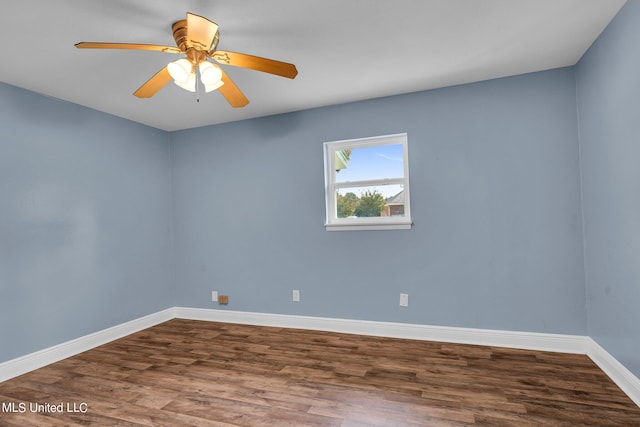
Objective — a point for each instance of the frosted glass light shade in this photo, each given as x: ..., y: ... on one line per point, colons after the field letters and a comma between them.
x: 180, y: 70
x: 190, y: 84
x: 209, y: 74
x: 214, y: 86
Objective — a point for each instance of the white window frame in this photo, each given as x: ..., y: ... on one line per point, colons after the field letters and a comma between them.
x: 333, y: 223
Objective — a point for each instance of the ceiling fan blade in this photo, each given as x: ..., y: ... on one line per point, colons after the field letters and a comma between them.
x: 257, y: 63
x: 230, y: 91
x: 154, y: 84
x: 133, y: 46
x: 201, y: 32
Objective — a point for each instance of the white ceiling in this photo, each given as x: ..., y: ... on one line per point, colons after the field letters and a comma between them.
x: 345, y: 50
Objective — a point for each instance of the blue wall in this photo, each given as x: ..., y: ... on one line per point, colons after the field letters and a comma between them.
x: 609, y: 112
x: 85, y: 221
x: 495, y: 192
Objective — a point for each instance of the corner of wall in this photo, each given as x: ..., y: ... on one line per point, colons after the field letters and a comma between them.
x: 172, y: 267
x: 580, y: 183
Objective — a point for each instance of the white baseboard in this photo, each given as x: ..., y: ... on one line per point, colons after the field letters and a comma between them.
x: 526, y: 340
x: 21, y: 365
x: 620, y: 375
x: 575, y: 344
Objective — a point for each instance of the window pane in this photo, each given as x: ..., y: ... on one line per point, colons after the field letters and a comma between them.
x: 373, y: 201
x: 374, y: 162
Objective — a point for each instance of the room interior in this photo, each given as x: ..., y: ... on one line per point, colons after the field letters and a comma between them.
x: 523, y: 186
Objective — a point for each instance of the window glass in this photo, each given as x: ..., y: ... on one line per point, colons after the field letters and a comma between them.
x: 362, y: 202
x: 382, y: 161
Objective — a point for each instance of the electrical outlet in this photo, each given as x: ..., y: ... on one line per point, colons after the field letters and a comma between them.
x: 404, y: 300
x: 223, y: 299
x: 296, y: 295
x: 214, y: 296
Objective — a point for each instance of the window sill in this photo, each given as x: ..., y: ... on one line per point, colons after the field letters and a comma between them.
x: 363, y: 227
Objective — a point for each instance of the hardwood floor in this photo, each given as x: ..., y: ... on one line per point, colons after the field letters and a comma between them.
x: 192, y: 373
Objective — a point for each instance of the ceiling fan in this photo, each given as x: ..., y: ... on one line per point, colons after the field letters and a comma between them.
x: 197, y: 38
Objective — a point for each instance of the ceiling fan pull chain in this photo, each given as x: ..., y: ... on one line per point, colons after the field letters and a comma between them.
x: 197, y: 84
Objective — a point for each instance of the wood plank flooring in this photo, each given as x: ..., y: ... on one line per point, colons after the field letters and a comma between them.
x: 192, y: 373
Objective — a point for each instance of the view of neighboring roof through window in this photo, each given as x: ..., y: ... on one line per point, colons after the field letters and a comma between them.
x: 367, y: 183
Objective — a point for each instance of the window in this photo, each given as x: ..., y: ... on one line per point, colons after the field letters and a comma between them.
x: 367, y: 184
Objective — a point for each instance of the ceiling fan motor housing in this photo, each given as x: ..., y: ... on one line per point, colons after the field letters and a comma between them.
x: 194, y: 51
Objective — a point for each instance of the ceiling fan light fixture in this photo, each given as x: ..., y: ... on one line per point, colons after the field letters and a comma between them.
x: 189, y: 84
x: 181, y: 71
x: 209, y: 74
x: 211, y: 87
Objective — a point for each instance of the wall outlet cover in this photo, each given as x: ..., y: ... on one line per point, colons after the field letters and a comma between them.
x: 404, y: 300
